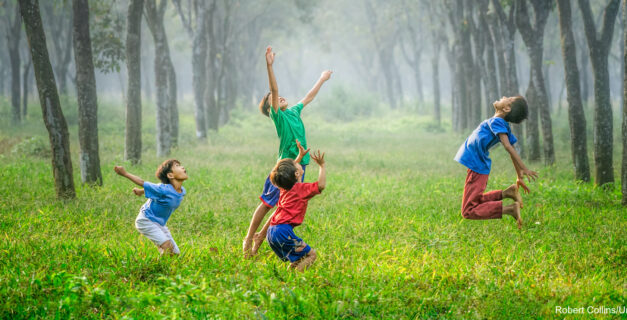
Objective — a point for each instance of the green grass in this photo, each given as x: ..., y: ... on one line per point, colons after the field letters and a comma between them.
x: 387, y: 229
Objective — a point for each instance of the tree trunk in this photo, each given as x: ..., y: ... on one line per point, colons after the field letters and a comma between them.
x: 599, y: 49
x: 576, y: 116
x: 624, y: 129
x: 585, y: 74
x: 199, y: 70
x: 86, y: 94
x: 133, y: 137
x: 435, y: 73
x: 213, y: 111
x: 26, y: 78
x: 154, y: 17
x: 533, y: 38
x: 49, y: 99
x: 172, y: 103
x: 13, y: 36
x: 533, y: 136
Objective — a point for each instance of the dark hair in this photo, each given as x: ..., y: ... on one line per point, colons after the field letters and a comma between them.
x: 164, y: 169
x: 264, y: 105
x: 519, y: 110
x: 283, y: 175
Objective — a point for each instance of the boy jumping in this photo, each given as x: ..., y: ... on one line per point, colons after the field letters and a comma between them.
x: 163, y: 199
x: 292, y: 208
x: 474, y: 154
x: 289, y: 128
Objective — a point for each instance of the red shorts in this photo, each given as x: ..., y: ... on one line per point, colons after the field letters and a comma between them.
x: 477, y: 205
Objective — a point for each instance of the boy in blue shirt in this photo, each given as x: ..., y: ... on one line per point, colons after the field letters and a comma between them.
x: 474, y: 154
x: 163, y: 199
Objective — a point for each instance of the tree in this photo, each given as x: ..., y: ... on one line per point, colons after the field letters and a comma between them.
x: 59, y: 22
x: 533, y: 36
x: 13, y: 27
x: 27, y: 77
x: 165, y: 123
x: 624, y: 129
x: 505, y: 37
x: 576, y: 116
x: 197, y: 13
x: 86, y: 95
x: 490, y: 74
x: 133, y: 135
x: 599, y: 45
x: 416, y: 41
x: 49, y: 100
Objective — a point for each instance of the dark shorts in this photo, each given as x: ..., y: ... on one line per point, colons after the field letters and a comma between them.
x: 285, y: 243
x: 270, y: 194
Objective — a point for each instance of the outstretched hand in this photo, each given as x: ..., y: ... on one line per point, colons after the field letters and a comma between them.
x: 138, y: 192
x: 120, y: 170
x: 269, y: 56
x: 531, y: 175
x: 318, y: 157
x: 326, y: 75
x: 301, y: 151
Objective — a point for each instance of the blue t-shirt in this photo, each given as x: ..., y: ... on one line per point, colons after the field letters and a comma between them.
x: 163, y: 199
x: 474, y: 153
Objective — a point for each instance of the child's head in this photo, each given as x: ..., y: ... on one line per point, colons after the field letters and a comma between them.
x: 264, y: 104
x: 171, y: 170
x: 286, y: 173
x: 515, y: 108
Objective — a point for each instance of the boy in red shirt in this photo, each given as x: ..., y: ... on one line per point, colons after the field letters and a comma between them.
x: 292, y: 207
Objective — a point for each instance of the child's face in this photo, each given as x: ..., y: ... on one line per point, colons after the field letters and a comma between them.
x: 282, y: 102
x: 299, y: 171
x: 504, y: 104
x: 178, y: 172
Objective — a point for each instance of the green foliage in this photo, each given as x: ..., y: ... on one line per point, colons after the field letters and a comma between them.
x: 107, y: 29
x: 37, y: 146
x: 346, y: 104
x: 387, y: 229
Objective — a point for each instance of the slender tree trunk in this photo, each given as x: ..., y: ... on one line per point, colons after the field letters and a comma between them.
x: 13, y: 36
x: 599, y: 49
x: 172, y: 103
x: 533, y: 136
x: 49, y: 99
x: 576, y: 116
x: 199, y: 70
x: 133, y: 137
x: 86, y: 94
x: 624, y: 128
x: 435, y: 65
x: 533, y: 38
x: 585, y: 74
x: 154, y: 17
x: 26, y: 78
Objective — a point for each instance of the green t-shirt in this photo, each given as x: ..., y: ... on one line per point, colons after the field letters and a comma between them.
x: 290, y: 127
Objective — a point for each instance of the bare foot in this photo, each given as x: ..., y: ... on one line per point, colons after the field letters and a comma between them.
x: 246, y: 246
x: 257, y: 242
x: 516, y: 214
x: 512, y: 193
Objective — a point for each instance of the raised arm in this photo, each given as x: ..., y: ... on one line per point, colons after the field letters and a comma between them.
x: 274, y: 88
x: 121, y: 171
x: 326, y: 75
x: 322, y: 174
x: 521, y: 169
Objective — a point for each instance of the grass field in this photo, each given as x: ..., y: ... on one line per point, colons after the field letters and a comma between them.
x: 389, y: 235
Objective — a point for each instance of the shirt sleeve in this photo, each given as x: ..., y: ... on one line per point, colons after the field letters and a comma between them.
x: 275, y: 116
x: 498, y: 125
x: 298, y: 108
x: 152, y: 190
x: 310, y: 190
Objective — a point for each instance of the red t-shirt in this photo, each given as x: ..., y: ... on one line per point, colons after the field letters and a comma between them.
x: 293, y: 204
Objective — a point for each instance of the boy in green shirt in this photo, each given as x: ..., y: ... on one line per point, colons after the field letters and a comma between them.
x: 290, y: 130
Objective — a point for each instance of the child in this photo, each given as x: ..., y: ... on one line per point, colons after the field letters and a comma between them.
x: 474, y: 154
x: 289, y: 128
x: 163, y: 199
x: 292, y: 208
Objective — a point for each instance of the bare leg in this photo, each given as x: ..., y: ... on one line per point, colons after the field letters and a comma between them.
x: 258, y: 237
x: 305, y: 261
x: 514, y: 211
x: 512, y: 193
x: 260, y: 212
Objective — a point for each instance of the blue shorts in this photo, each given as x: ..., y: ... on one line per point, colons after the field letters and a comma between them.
x: 270, y: 194
x: 285, y: 243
